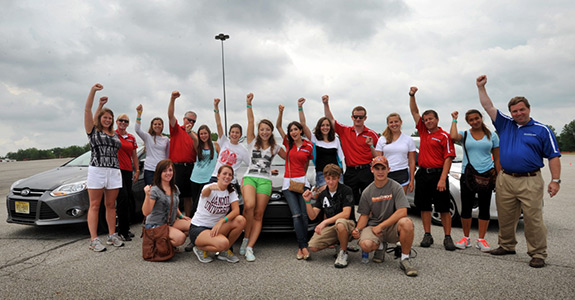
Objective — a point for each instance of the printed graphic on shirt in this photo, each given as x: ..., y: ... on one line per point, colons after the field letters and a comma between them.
x: 227, y: 157
x: 260, y: 165
x: 218, y: 205
x: 382, y: 198
x: 326, y: 203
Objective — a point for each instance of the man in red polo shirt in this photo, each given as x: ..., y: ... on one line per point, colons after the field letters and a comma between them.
x: 182, y: 151
x: 436, y: 152
x: 357, y: 145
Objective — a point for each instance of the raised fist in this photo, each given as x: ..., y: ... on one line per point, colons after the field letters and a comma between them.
x: 140, y: 108
x: 325, y: 99
x: 307, y: 195
x: 281, y: 108
x: 175, y: 95
x: 249, y: 98
x: 369, y: 141
x: 300, y: 102
x: 454, y: 115
x: 97, y: 87
x: 481, y: 81
x: 216, y: 102
x: 412, y: 90
x: 103, y: 100
x: 147, y: 189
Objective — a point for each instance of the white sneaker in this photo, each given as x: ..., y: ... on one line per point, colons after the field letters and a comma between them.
x: 341, y: 260
x: 96, y: 245
x: 243, y: 246
x: 115, y: 240
x: 250, y: 254
x: 482, y: 245
x: 463, y: 243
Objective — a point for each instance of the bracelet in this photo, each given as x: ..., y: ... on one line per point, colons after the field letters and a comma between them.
x: 308, y: 202
x: 411, y: 95
x: 216, y: 111
x: 300, y: 109
x: 139, y: 119
x: 371, y: 146
x: 248, y: 106
x: 454, y: 121
x: 181, y: 216
x: 226, y: 218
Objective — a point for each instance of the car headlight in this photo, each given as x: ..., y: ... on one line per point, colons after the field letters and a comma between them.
x: 15, y: 184
x: 455, y: 175
x: 68, y: 189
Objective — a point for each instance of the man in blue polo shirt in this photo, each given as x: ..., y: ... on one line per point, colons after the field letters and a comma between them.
x: 523, y: 145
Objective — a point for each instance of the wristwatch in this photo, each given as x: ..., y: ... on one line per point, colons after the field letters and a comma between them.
x: 556, y: 180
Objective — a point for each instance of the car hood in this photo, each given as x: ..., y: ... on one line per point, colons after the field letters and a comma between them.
x: 54, y: 178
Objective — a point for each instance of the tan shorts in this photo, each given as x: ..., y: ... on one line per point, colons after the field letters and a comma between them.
x: 389, y: 235
x: 328, y: 235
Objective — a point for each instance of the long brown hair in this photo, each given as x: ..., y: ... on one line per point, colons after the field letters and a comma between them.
x: 271, y: 141
x: 387, y: 132
x: 161, y: 167
x: 201, y: 143
x: 290, y: 139
x: 99, y: 126
x: 151, y: 129
x: 317, y: 130
x: 230, y: 187
x: 483, y: 127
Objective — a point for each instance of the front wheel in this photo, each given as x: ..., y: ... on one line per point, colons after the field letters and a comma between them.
x: 455, y: 219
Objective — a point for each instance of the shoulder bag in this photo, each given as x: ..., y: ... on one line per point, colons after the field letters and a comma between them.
x: 475, y: 181
x: 156, y: 245
x: 294, y: 186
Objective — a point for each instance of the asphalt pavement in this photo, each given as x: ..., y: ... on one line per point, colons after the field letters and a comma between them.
x: 54, y: 262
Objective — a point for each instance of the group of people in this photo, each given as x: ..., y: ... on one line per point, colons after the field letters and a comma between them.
x: 192, y: 183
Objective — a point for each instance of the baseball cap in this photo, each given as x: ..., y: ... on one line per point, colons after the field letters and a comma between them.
x: 380, y: 160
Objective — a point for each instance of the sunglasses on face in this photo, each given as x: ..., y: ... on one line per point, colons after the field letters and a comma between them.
x: 191, y: 120
x: 124, y: 121
x: 358, y: 117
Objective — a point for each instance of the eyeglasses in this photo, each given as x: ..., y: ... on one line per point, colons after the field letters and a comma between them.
x: 191, y: 120
x: 124, y: 121
x: 358, y: 117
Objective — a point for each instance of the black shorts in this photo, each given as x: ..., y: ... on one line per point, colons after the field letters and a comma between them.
x: 426, y: 192
x: 401, y: 176
x: 195, y: 231
x: 183, y: 174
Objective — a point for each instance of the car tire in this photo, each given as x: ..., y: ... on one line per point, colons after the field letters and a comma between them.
x: 455, y: 219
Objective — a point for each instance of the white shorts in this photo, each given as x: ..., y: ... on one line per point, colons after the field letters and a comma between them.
x: 104, y: 178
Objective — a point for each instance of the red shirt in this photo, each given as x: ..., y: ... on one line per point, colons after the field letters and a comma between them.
x: 298, y: 158
x: 356, y: 150
x: 182, y: 148
x: 434, y: 147
x: 126, y: 151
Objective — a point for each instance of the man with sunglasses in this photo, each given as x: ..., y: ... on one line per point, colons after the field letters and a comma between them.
x: 436, y: 153
x: 357, y: 145
x: 383, y: 208
x: 182, y: 151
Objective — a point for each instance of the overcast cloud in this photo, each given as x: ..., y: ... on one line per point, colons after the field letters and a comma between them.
x: 358, y: 52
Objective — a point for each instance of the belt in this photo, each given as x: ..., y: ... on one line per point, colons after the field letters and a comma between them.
x: 432, y: 170
x: 359, y: 167
x: 526, y: 174
x: 184, y: 164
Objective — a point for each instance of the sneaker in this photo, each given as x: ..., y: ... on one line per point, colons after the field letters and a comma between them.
x: 189, y: 247
x: 250, y: 254
x: 115, y: 240
x: 353, y: 246
x: 228, y: 256
x: 96, y: 245
x: 482, y: 245
x: 427, y: 240
x: 131, y: 234
x: 463, y: 243
x: 379, y: 254
x: 125, y: 237
x: 408, y: 268
x: 341, y: 260
x: 448, y: 243
x: 202, y: 255
x: 243, y: 246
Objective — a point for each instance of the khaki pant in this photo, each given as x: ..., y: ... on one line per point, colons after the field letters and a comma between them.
x: 517, y: 194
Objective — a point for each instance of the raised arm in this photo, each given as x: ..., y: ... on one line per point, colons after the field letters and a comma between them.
x: 484, y: 98
x: 88, y: 118
x: 218, y: 118
x: 306, y: 130
x: 138, y: 127
x: 250, y: 135
x: 453, y: 133
x: 312, y: 212
x: 326, y: 110
x: 279, y: 121
x: 172, y: 108
x: 412, y: 105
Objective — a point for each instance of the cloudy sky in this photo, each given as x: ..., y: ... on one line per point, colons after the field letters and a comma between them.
x: 357, y: 52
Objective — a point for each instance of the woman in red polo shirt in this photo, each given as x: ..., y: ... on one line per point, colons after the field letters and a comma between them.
x: 298, y: 154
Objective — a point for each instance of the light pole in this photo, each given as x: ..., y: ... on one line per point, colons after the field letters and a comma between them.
x: 222, y: 37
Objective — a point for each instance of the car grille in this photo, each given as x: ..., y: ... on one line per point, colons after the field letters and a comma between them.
x: 36, y: 206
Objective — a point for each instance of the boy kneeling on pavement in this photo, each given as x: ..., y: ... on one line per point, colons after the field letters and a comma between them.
x: 383, y: 208
x: 336, y: 202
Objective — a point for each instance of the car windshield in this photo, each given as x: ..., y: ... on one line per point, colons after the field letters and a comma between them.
x: 80, y: 161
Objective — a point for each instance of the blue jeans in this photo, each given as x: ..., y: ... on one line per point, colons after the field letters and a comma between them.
x: 299, y: 215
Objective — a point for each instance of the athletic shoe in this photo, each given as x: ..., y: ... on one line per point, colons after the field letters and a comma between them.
x: 115, y: 240
x: 228, y: 256
x: 125, y: 237
x: 341, y: 260
x: 448, y: 243
x: 243, y: 246
x: 250, y: 254
x: 501, y: 251
x: 427, y: 240
x: 189, y: 247
x: 202, y: 255
x: 96, y: 245
x: 131, y: 234
x: 408, y: 268
x: 379, y: 254
x: 463, y: 243
x: 482, y: 245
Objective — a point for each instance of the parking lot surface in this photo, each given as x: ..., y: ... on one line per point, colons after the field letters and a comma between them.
x: 54, y: 262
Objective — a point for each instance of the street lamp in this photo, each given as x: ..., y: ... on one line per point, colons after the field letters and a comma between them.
x: 222, y: 37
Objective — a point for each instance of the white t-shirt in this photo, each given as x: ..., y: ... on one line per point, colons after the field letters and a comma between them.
x: 213, y: 207
x: 396, y: 152
x: 155, y: 151
x: 261, y: 161
x: 231, y: 155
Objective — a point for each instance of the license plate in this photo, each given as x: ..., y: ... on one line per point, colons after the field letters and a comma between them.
x: 22, y: 207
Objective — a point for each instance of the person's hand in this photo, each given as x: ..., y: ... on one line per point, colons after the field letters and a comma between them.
x: 216, y: 229
x: 320, y: 227
x: 553, y: 188
x: 281, y: 108
x: 355, y: 233
x: 249, y: 98
x: 376, y: 230
x: 441, y: 185
x: 97, y: 87
x: 275, y: 172
x: 325, y: 99
x: 103, y: 100
x: 300, y: 102
x: 186, y: 218
x: 410, y: 186
x: 369, y: 141
x: 175, y: 95
x: 136, y: 175
x: 216, y: 102
x: 481, y: 81
x: 140, y: 109
x: 189, y: 127
x: 454, y: 115
x: 214, y: 187
x: 147, y: 189
x: 412, y: 90
x: 307, y: 195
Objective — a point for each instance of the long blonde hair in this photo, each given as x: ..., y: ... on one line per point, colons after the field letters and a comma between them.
x: 387, y: 132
